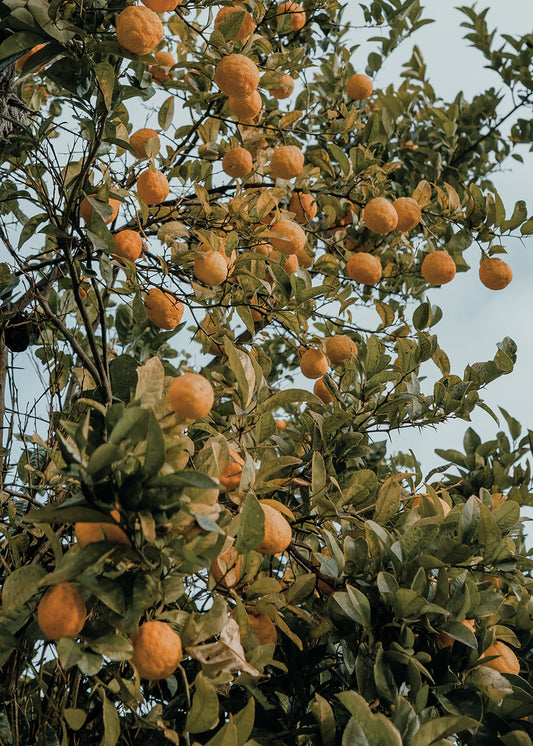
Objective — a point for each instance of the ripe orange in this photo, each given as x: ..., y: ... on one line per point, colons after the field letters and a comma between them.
x: 263, y: 626
x: 191, y: 396
x: 226, y: 569
x: 506, y: 662
x: 210, y: 266
x: 494, y: 273
x: 286, y: 87
x: 237, y: 75
x: 409, y: 213
x: 161, y: 71
x: 281, y: 425
x: 320, y: 389
x: 139, y: 139
x: 237, y: 162
x: 287, y: 162
x: 291, y: 264
x: 61, y: 612
x: 139, y: 29
x: 128, y: 245
x: 247, y: 26
x: 86, y: 209
x: 231, y: 476
x: 157, y: 650
x: 339, y: 348
x: 287, y: 236
x: 438, y: 268
x: 447, y: 641
x: 152, y: 187
x: 359, y: 86
x: 380, y: 216
x: 163, y: 308
x: 246, y: 109
x: 297, y: 14
x: 88, y: 533
x: 313, y: 363
x: 305, y: 260
x: 278, y: 533
x: 303, y: 206
x: 21, y: 60
x: 365, y: 268
x: 162, y: 6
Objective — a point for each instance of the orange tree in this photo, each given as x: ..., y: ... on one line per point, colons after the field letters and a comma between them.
x: 198, y: 206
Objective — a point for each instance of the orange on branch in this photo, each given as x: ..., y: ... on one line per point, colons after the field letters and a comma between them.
x: 321, y: 390
x: 278, y: 532
x: 304, y: 206
x: 296, y: 13
x: 494, y: 273
x: 86, y: 209
x: 139, y: 139
x: 247, y: 26
x: 152, y: 187
x: 305, y: 260
x: 364, y: 268
x: 191, y: 396
x: 163, y: 308
x: 281, y: 425
x: 359, y: 86
x: 61, y: 612
x: 438, y: 268
x: 313, y: 363
x: 88, y: 533
x: 409, y: 213
x: 340, y: 347
x: 231, y: 476
x: 21, y: 60
x: 286, y: 162
x: 157, y: 650
x: 128, y: 244
x: 237, y: 162
x: 226, y: 569
x: 237, y: 75
x: 506, y: 662
x: 263, y: 626
x: 287, y: 236
x: 380, y: 216
x: 291, y: 264
x: 161, y: 71
x: 285, y: 87
x: 162, y: 6
x: 210, y: 267
x: 139, y: 29
x: 246, y: 109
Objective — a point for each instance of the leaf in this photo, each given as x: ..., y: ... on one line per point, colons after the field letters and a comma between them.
x: 422, y: 193
x: 166, y: 114
x: 244, y: 722
x: 389, y: 500
x: 243, y: 369
x: 155, y: 447
x: 203, y: 714
x: 150, y: 378
x: 76, y: 509
x: 226, y: 655
x: 123, y: 372
x: 290, y: 396
x: 376, y: 730
x: 252, y: 525
x: 111, y: 723
x: 438, y: 728
x: 75, y: 717
x: 323, y: 714
x: 132, y: 426
x: 340, y: 156
x: 519, y: 215
x: 20, y: 586
x: 107, y: 77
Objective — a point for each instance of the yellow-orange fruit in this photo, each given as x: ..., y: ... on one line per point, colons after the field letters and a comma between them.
x: 246, y: 109
x: 409, y: 213
x: 263, y: 626
x: 237, y: 162
x: 140, y: 138
x: 191, y: 396
x: 162, y: 6
x: 380, y: 216
x: 305, y: 260
x: 285, y: 87
x: 152, y: 187
x: 21, y: 60
x: 237, y: 75
x: 340, y: 347
x: 447, y: 641
x: 364, y: 268
x: 287, y: 236
x: 226, y: 569
x: 281, y: 425
x: 161, y: 71
x: 291, y: 264
x: 157, y: 650
x: 444, y: 505
x: 313, y: 363
x: 320, y: 389
x: 139, y: 29
x: 210, y: 266
x: 86, y: 209
x: 247, y: 26
x: 438, y: 268
x: 231, y: 476
x: 88, y: 533
x: 61, y: 612
x: 494, y: 273
x: 128, y: 245
x: 278, y: 533
x: 359, y: 86
x: 163, y: 308
x: 506, y: 662
x: 297, y: 14
x: 287, y: 162
x: 303, y: 206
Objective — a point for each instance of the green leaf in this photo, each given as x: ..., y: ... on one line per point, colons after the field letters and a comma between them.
x: 365, y: 727
x: 243, y: 369
x: 20, y: 586
x: 244, y: 722
x: 111, y: 723
x: 155, y: 447
x: 519, y: 215
x: 389, y: 500
x: 76, y: 509
x: 340, y: 156
x: 132, y: 425
x: 290, y: 396
x: 123, y: 372
x: 323, y: 714
x: 252, y: 525
x: 226, y: 736
x: 439, y: 728
x: 107, y: 78
x: 166, y: 114
x: 75, y: 717
x: 203, y: 714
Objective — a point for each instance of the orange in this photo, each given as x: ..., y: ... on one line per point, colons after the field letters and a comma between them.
x: 281, y: 425
x: 365, y: 268
x: 359, y: 86
x: 86, y: 209
x: 247, y: 25
x: 263, y: 626
x: 494, y: 273
x: 380, y: 216
x: 163, y: 308
x: 305, y: 260
x: 320, y: 389
x: 156, y: 650
x: 291, y: 264
x: 297, y: 14
x: 245, y: 109
x: 409, y: 213
x: 210, y: 266
x: 161, y: 71
x: 313, y: 364
x: 339, y: 348
x: 152, y: 187
x: 287, y: 236
x: 88, y: 533
x: 139, y: 139
x: 287, y: 162
x: 506, y: 662
x: 139, y: 29
x: 447, y: 641
x: 278, y: 533
x: 191, y: 396
x: 231, y: 476
x: 237, y: 75
x: 61, y: 612
x: 286, y: 87
x: 162, y: 6
x: 226, y: 569
x: 21, y: 60
x: 438, y: 268
x: 444, y: 505
x: 128, y: 245
x: 303, y: 206
x: 237, y: 162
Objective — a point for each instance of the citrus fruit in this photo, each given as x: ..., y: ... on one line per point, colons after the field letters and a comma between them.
x: 365, y: 268
x: 321, y: 390
x: 139, y: 29
x: 506, y: 662
x: 161, y: 71
x: 128, y: 244
x: 163, y: 308
x: 86, y: 209
x: 303, y: 206
x: 313, y: 363
x: 226, y: 569
x: 139, y: 139
x: 339, y: 348
x: 156, y: 650
x: 438, y: 268
x: 162, y: 6
x: 210, y: 266
x: 237, y: 162
x: 287, y: 236
x: 409, y: 213
x: 61, y: 612
x: 247, y: 25
x: 152, y: 187
x: 291, y: 264
x: 305, y: 260
x: 297, y: 14
x: 21, y: 60
x: 287, y: 162
x: 263, y: 626
x: 278, y: 533
x: 88, y: 533
x: 281, y: 425
x: 231, y: 476
x: 494, y: 273
x: 237, y: 75
x: 359, y: 86
x: 285, y: 87
x: 380, y: 216
x: 191, y: 396
x: 246, y: 109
